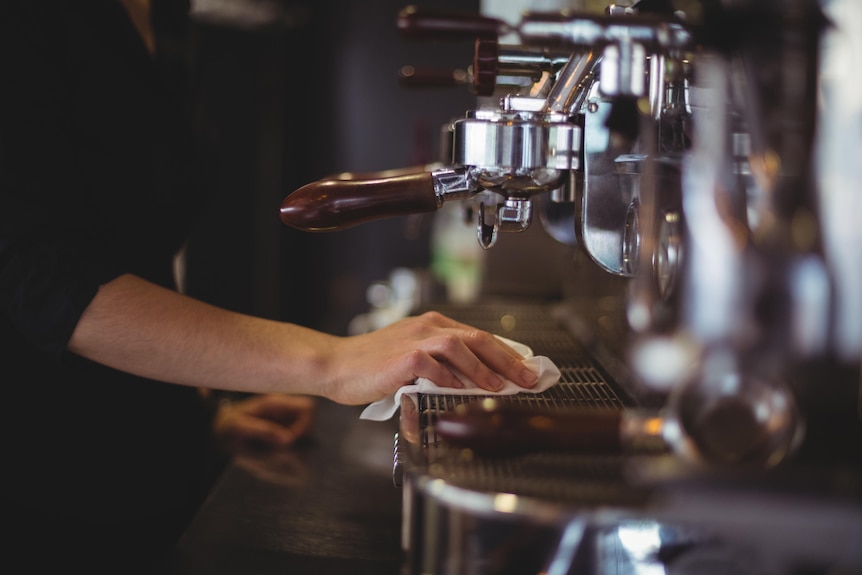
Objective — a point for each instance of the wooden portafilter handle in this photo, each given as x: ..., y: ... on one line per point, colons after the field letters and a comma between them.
x: 498, y: 429
x: 343, y: 201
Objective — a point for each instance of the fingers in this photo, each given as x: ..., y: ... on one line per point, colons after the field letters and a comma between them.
x: 478, y: 355
x: 422, y: 363
x: 265, y: 421
x: 262, y: 432
x: 294, y: 413
x: 303, y: 417
x: 482, y: 336
x: 431, y: 346
x: 501, y: 358
x: 483, y: 356
x: 279, y: 407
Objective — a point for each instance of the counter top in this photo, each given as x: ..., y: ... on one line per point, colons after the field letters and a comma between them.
x: 327, y: 507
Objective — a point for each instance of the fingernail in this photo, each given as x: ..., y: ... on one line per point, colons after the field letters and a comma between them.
x: 528, y: 378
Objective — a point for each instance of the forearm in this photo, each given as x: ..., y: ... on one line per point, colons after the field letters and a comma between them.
x: 138, y: 327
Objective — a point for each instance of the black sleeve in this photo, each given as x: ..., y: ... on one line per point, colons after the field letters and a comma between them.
x: 51, y: 265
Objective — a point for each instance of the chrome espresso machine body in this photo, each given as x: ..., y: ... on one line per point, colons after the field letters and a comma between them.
x: 708, y: 161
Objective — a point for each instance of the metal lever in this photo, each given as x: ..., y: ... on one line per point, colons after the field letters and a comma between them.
x: 415, y: 23
x: 413, y: 77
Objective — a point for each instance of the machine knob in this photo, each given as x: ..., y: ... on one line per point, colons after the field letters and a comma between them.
x: 485, y: 65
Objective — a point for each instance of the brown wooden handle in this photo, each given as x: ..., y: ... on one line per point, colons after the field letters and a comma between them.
x: 337, y: 203
x: 513, y: 430
x: 416, y: 23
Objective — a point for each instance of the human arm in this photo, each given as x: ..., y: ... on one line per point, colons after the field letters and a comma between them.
x: 136, y: 326
x: 96, y: 185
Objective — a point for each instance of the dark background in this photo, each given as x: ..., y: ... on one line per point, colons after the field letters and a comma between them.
x: 314, y: 93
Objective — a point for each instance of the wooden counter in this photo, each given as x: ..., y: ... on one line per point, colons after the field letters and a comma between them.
x: 329, y: 507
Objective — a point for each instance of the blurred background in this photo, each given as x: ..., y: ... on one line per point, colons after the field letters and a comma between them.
x: 292, y: 92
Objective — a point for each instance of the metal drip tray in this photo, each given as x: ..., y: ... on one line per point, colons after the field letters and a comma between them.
x: 528, y: 513
x: 581, y: 479
x: 564, y: 478
x: 565, y: 513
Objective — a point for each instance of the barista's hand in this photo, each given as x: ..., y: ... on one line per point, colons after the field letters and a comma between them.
x: 263, y: 422
x: 371, y: 366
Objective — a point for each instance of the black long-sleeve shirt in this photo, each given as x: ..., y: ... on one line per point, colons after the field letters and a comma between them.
x: 96, y: 180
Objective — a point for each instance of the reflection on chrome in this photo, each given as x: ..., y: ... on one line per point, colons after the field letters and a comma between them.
x: 634, y: 548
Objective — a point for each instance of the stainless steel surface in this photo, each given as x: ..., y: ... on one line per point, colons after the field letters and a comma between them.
x: 552, y: 512
x: 537, y: 512
x: 838, y: 163
x: 515, y: 141
x: 529, y: 143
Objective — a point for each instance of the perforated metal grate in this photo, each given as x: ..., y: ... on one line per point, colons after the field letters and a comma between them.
x: 577, y: 478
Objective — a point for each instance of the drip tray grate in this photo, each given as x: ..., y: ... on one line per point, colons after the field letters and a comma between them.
x: 580, y: 479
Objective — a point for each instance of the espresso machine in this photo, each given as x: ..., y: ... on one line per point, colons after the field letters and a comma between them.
x: 702, y: 158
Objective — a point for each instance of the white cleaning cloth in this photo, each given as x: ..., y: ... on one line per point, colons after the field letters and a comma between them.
x: 548, y: 373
